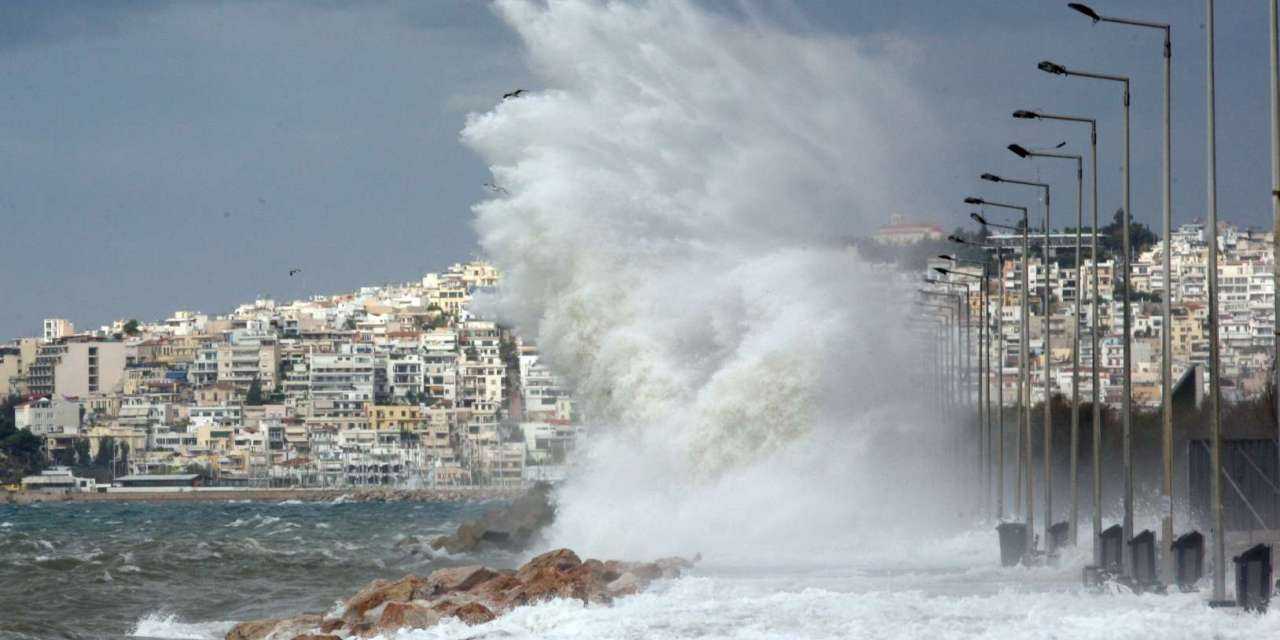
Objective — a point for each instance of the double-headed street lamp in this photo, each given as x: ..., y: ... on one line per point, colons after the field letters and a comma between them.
x: 1024, y: 385
x: 1127, y: 400
x: 1046, y: 341
x: 1023, y: 152
x: 1166, y: 343
x: 1094, y: 331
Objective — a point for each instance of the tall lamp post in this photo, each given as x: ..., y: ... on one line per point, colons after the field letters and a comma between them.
x: 1127, y: 400
x: 1023, y: 152
x: 1048, y: 357
x: 1215, y: 371
x: 1024, y: 387
x: 966, y: 360
x: 1166, y: 344
x: 984, y: 412
x: 1275, y: 197
x: 1094, y: 330
x: 957, y: 363
x: 998, y: 480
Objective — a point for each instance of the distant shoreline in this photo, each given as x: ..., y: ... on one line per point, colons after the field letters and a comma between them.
x: 354, y: 494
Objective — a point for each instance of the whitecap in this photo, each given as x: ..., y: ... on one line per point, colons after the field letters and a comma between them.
x: 170, y: 627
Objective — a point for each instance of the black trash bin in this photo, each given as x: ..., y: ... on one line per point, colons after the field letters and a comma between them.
x: 1253, y: 578
x: 1188, y: 559
x: 1058, y: 537
x: 1013, y: 542
x: 1112, y: 554
x: 1144, y: 558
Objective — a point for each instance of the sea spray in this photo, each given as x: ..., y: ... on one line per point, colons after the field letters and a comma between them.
x: 670, y: 227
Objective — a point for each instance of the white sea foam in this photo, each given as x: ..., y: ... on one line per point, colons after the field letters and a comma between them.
x: 170, y: 627
x: 670, y: 235
x: 761, y: 608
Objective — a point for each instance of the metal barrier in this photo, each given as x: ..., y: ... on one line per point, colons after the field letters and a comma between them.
x: 1013, y: 542
x: 1112, y: 548
x: 1253, y: 578
x: 1188, y: 560
x: 1144, y: 558
x: 1058, y: 537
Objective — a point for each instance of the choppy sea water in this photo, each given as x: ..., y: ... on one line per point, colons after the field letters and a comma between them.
x: 189, y: 570
x: 192, y: 570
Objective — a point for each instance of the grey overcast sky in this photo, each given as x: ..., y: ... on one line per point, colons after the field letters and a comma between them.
x: 185, y: 155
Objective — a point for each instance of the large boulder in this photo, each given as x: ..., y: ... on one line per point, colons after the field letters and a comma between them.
x: 406, y: 615
x: 383, y: 591
x: 458, y: 578
x: 512, y: 527
x: 473, y: 613
x: 275, y: 629
x: 473, y: 594
x: 558, y: 559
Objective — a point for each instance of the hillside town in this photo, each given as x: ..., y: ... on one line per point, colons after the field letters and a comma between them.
x: 389, y: 385
x: 1246, y: 313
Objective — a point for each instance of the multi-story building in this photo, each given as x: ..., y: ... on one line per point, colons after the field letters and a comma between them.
x: 77, y: 367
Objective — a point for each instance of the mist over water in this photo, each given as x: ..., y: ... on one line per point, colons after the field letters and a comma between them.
x: 678, y: 193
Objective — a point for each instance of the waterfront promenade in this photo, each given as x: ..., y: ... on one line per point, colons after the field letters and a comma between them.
x: 258, y: 494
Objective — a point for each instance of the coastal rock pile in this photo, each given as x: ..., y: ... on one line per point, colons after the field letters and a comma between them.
x: 473, y: 594
x: 513, y: 527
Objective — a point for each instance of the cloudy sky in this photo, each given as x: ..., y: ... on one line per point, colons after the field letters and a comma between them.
x: 185, y: 155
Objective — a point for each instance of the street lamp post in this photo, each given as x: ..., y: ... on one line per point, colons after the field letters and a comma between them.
x: 1127, y: 400
x: 1166, y: 343
x: 1024, y: 386
x: 1215, y: 371
x: 1275, y: 198
x: 998, y: 374
x: 1046, y: 341
x: 984, y: 412
x: 1096, y: 388
x: 1023, y: 152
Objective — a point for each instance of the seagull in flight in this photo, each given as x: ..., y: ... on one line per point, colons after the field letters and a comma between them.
x: 512, y: 94
x: 293, y: 272
x: 496, y: 189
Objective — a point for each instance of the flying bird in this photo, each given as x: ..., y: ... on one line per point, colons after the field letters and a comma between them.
x: 496, y: 189
x: 293, y: 272
x: 512, y: 94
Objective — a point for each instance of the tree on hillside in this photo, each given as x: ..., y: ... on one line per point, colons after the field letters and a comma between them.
x: 106, y: 452
x: 253, y: 397
x: 131, y: 327
x: 1112, y: 239
x: 81, y: 449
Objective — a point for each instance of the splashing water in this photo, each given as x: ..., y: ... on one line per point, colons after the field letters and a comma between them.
x: 672, y: 236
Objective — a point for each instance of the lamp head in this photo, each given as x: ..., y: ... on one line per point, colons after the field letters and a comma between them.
x: 972, y: 200
x: 948, y: 257
x: 989, y: 177
x: 957, y: 239
x: 1082, y: 8
x: 1019, y: 151
x: 1050, y: 67
x: 941, y: 270
x: 1023, y: 114
x: 977, y: 217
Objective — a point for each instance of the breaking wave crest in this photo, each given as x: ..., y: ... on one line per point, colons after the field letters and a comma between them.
x: 671, y: 233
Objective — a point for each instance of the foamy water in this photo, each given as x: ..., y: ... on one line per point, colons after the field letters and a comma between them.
x: 953, y: 589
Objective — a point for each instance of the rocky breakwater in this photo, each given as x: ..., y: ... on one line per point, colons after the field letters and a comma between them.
x: 472, y: 594
x: 513, y: 527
